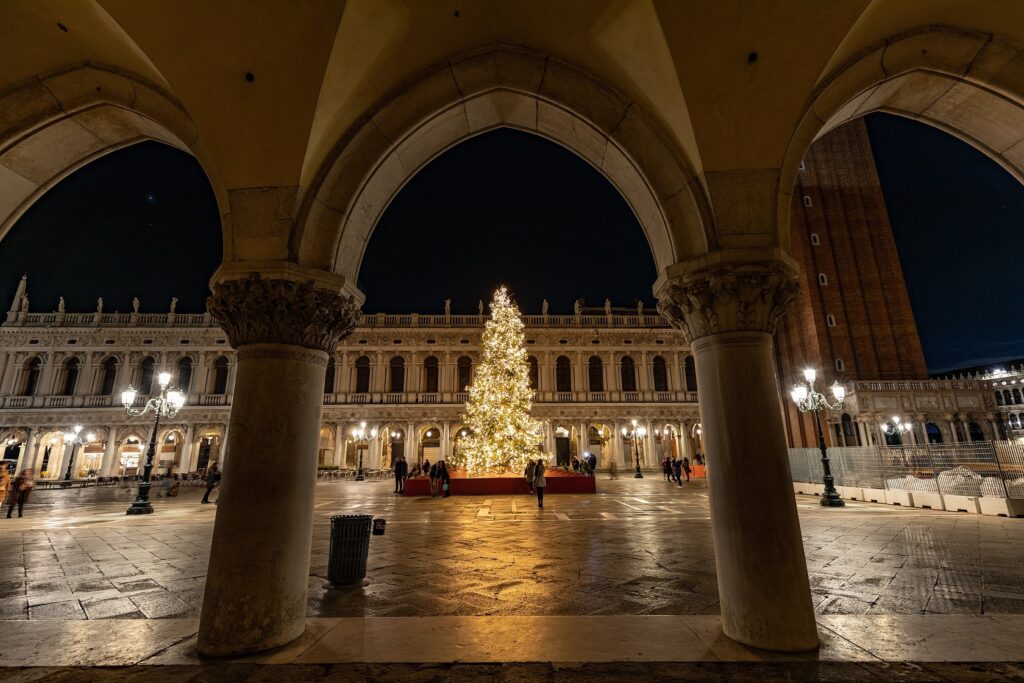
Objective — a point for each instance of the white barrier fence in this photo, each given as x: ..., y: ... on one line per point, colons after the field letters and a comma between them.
x: 982, y: 477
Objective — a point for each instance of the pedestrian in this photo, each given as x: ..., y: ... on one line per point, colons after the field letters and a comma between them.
x: 175, y: 487
x: 212, y: 477
x: 426, y: 467
x: 592, y: 461
x: 666, y: 468
x: 445, y: 478
x: 539, y: 482
x: 433, y: 480
x: 21, y: 487
x: 528, y: 473
x: 401, y: 469
x: 686, y: 468
x: 613, y: 470
x: 677, y: 468
x: 575, y: 464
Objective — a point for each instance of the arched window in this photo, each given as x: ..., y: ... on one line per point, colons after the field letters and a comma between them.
x: 146, y: 377
x: 31, y: 377
x: 220, y: 375
x: 329, y: 376
x: 534, y: 372
x: 184, y: 374
x: 1016, y: 397
x: 109, y: 377
x: 396, y: 375
x: 690, y: 373
x: 563, y: 374
x: 465, y: 371
x: 595, y: 374
x: 974, y: 429
x: 999, y: 398
x: 627, y: 372
x: 71, y: 369
x: 660, y: 374
x: 363, y: 375
x: 849, y: 433
x: 431, y: 375
x: 1007, y: 397
x: 934, y: 433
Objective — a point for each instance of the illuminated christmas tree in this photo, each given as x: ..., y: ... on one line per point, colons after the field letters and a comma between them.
x: 502, y: 435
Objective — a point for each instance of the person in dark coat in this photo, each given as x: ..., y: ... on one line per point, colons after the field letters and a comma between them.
x: 539, y: 482
x: 444, y: 479
x: 426, y: 467
x: 528, y: 473
x: 677, y: 470
x: 686, y: 468
x: 212, y: 477
x: 592, y: 461
x: 20, y: 489
x: 401, y: 469
x: 666, y: 468
x: 433, y: 480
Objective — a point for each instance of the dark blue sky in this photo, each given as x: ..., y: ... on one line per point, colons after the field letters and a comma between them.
x: 507, y: 207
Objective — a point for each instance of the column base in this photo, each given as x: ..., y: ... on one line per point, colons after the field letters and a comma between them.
x: 638, y: 475
x: 831, y: 499
x: 140, y: 508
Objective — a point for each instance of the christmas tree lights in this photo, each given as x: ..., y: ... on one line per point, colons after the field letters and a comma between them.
x: 502, y: 436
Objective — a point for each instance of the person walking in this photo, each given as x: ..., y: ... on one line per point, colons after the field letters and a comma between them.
x: 613, y: 470
x: 686, y: 468
x: 212, y: 477
x: 444, y: 478
x: 433, y: 480
x: 539, y: 482
x: 592, y: 461
x: 677, y: 469
x: 426, y: 467
x: 528, y: 473
x: 21, y: 487
x: 401, y: 469
x: 666, y: 468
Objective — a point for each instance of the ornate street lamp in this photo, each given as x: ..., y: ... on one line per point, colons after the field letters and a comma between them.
x: 809, y: 400
x: 73, y: 437
x: 897, y: 426
x: 166, y: 404
x: 635, y: 434
x: 359, y: 434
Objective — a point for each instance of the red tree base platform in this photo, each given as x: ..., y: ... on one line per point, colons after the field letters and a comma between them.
x: 461, y: 485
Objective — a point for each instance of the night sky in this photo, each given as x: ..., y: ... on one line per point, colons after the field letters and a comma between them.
x: 511, y: 208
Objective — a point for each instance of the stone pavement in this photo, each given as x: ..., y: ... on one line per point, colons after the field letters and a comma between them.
x: 637, y: 547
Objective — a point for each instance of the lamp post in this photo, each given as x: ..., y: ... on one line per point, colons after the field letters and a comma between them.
x: 74, y: 438
x: 359, y: 434
x: 634, y: 434
x: 166, y: 404
x: 809, y: 400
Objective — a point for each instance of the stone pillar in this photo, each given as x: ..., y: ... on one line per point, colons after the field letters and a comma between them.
x: 339, y: 444
x: 109, y: 453
x: 28, y: 451
x: 187, y: 448
x: 727, y: 312
x: 684, y: 437
x: 283, y: 330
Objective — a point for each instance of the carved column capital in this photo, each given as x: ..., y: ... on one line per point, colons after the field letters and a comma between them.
x: 728, y: 298
x: 257, y: 310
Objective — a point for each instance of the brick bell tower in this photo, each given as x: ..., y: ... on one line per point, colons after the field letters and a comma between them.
x: 852, y: 318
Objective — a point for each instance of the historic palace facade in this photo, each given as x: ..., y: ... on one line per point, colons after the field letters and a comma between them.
x: 403, y: 375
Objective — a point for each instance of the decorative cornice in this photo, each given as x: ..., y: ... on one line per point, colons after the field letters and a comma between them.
x: 728, y: 298
x: 256, y: 310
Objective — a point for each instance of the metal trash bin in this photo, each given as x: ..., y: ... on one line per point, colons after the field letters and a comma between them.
x: 379, y: 525
x: 350, y: 546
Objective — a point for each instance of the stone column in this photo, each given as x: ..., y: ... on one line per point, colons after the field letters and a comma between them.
x: 109, y: 453
x: 28, y: 451
x: 187, y: 448
x: 339, y: 444
x: 283, y: 329
x: 727, y: 312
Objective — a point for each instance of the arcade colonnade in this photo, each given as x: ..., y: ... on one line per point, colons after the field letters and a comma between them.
x: 306, y: 147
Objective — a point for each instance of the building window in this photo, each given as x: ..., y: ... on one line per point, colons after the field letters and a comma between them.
x: 396, y: 379
x: 595, y: 374
x: 840, y: 366
x: 831, y: 320
x: 146, y: 378
x: 71, y: 369
x: 184, y: 374
x: 822, y: 279
x: 430, y: 375
x: 464, y: 368
x: 690, y: 373
x: 815, y: 240
x: 109, y: 377
x: 220, y: 376
x: 329, y: 376
x: 807, y: 201
x: 363, y: 375
x: 627, y: 370
x: 660, y: 374
x: 1016, y: 397
x: 31, y: 378
x: 534, y: 373
x: 563, y: 374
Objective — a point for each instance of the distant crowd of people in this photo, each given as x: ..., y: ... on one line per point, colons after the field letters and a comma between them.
x: 674, y: 467
x: 437, y: 472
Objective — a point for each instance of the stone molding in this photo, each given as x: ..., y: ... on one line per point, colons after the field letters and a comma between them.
x: 257, y: 310
x: 728, y: 298
x: 261, y: 352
